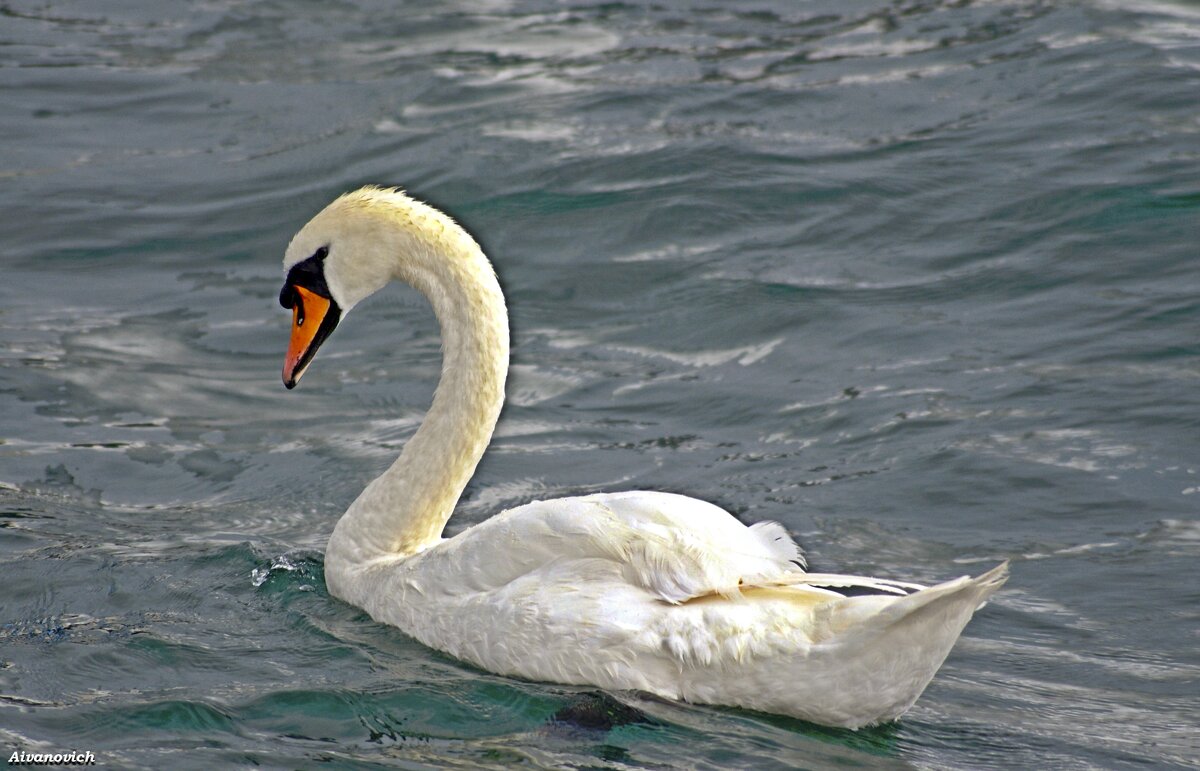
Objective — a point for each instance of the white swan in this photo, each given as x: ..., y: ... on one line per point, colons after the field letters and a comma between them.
x: 632, y: 590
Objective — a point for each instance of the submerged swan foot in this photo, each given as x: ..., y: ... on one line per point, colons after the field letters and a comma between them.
x: 597, y: 711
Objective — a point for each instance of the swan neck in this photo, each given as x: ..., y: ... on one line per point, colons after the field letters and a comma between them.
x: 405, y: 510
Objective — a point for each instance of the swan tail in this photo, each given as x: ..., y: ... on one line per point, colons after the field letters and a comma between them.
x: 868, y: 657
x: 899, y: 643
x: 961, y: 595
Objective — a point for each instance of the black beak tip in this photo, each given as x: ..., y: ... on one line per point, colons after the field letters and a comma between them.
x: 289, y: 383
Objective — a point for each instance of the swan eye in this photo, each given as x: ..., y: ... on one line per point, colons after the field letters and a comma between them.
x: 321, y: 253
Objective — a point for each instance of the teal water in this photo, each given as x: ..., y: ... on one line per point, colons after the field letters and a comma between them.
x: 917, y: 279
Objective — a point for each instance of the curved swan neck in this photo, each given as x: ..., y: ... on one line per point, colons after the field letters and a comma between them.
x: 405, y: 509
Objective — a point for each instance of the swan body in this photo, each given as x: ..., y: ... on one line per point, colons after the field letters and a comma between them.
x: 633, y: 590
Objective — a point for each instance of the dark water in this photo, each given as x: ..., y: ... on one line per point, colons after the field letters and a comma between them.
x: 917, y: 279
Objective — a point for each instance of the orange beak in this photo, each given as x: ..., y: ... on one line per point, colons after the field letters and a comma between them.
x: 309, y: 330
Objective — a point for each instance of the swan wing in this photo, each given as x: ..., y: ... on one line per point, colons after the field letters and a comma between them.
x: 679, y: 548
x: 674, y: 547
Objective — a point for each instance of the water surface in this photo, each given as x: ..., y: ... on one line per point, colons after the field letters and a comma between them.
x: 916, y: 279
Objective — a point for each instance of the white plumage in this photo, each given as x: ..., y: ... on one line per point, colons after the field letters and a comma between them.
x: 632, y: 590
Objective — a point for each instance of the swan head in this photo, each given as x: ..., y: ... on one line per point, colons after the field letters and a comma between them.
x: 348, y: 251
x: 360, y: 242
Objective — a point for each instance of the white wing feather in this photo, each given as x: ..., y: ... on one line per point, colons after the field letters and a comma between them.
x: 674, y: 547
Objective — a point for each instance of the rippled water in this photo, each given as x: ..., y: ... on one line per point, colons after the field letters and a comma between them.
x: 917, y: 279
